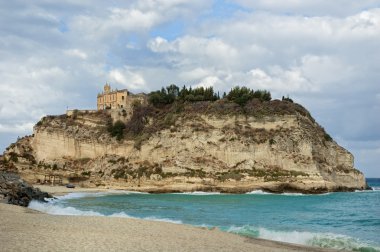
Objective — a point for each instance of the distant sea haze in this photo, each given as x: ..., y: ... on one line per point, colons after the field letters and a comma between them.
x: 349, y: 221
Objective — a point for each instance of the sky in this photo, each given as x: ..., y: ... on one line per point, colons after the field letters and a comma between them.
x: 324, y: 54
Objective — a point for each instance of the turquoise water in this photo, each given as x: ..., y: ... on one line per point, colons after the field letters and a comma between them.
x: 337, y: 220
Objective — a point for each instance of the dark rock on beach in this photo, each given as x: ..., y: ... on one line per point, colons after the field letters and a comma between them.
x: 13, y: 190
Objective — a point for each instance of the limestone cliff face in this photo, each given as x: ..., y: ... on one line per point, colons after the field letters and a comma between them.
x: 233, y: 152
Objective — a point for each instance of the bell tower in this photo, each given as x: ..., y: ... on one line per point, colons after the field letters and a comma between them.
x: 107, y: 88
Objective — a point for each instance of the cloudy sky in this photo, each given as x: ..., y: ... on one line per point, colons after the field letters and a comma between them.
x: 324, y: 54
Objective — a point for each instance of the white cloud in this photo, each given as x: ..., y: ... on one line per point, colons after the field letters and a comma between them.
x: 195, y: 74
x: 160, y: 45
x: 128, y: 78
x: 209, y: 81
x: 311, y: 7
x: 23, y: 128
x: 76, y: 53
x: 200, y: 48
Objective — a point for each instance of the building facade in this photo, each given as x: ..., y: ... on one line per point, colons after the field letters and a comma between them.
x: 118, y: 99
x: 112, y: 99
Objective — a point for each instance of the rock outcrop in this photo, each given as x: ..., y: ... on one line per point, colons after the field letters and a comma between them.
x: 14, y: 190
x: 211, y: 146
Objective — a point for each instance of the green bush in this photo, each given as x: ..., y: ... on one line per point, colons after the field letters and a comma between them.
x: 86, y: 173
x: 241, y: 95
x: 272, y: 141
x: 75, y: 113
x: 116, y: 129
x: 287, y: 99
x: 327, y: 137
x: 172, y: 93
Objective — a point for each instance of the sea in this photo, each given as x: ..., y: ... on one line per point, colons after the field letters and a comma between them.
x: 342, y: 220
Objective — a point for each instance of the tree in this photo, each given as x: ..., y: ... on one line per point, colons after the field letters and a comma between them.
x: 240, y: 95
x: 173, y: 90
x: 287, y: 99
x: 263, y: 95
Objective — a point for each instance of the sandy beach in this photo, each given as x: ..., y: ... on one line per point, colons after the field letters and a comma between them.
x: 23, y: 229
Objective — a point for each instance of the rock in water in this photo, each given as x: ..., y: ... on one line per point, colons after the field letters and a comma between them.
x: 14, y: 190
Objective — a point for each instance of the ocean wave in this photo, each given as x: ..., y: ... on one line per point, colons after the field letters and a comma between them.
x: 294, y: 194
x: 153, y: 218
x: 60, y: 210
x: 199, y: 193
x: 121, y: 215
x: 261, y: 192
x: 78, y: 195
x: 323, y: 240
x: 54, y: 209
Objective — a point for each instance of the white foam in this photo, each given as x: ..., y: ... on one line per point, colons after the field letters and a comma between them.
x: 324, y: 240
x: 54, y: 209
x: 294, y: 194
x: 258, y: 192
x: 59, y: 210
x: 79, y: 195
x: 153, y: 218
x: 261, y: 192
x: 122, y: 215
x: 199, y: 193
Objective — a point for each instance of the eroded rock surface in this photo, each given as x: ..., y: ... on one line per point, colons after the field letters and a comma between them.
x: 275, y: 146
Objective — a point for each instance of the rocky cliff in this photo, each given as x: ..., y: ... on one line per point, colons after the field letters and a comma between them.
x: 210, y: 146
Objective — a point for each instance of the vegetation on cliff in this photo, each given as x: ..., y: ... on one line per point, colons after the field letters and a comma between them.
x: 167, y: 106
x: 172, y: 93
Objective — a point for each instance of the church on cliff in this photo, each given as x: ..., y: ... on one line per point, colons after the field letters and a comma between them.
x: 118, y: 99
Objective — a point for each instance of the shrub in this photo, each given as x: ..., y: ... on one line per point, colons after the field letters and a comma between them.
x: 138, y: 120
x: 13, y: 157
x: 235, y: 175
x: 75, y: 114
x: 86, y: 173
x: 241, y: 95
x: 272, y: 141
x: 116, y: 129
x: 172, y: 93
x: 287, y: 99
x: 328, y: 137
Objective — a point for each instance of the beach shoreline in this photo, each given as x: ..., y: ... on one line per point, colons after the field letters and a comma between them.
x: 24, y: 229
x: 63, y: 190
x: 86, y: 233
